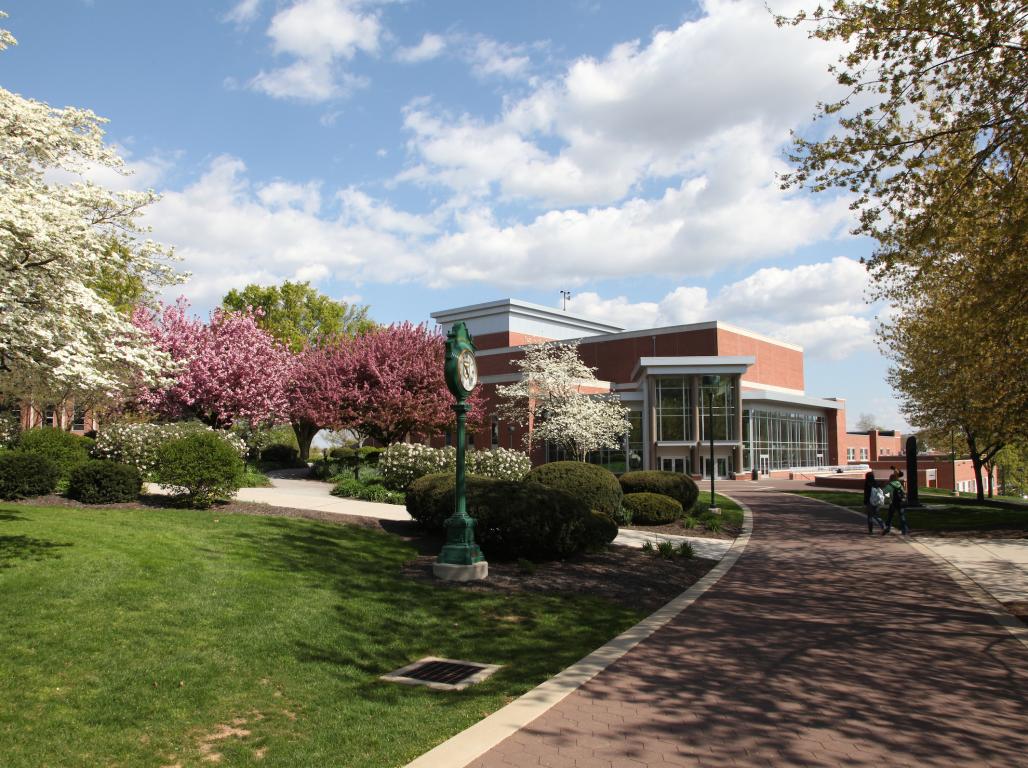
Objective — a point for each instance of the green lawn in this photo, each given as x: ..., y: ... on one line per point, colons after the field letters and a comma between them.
x: 939, y: 516
x: 161, y: 637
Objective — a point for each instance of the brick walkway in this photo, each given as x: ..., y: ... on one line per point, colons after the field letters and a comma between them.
x: 822, y: 646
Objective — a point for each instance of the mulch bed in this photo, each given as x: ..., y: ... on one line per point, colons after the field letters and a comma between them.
x: 624, y: 575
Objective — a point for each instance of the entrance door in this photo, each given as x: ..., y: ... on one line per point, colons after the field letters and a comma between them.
x: 764, y: 464
x: 721, y: 464
x: 669, y: 464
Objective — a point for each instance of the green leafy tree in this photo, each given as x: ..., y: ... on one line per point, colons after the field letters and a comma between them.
x: 118, y: 282
x: 299, y: 315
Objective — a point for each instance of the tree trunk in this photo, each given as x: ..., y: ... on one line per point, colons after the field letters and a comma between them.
x: 305, y: 432
x: 976, y: 462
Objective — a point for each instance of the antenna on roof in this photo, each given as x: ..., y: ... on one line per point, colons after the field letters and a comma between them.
x: 566, y: 297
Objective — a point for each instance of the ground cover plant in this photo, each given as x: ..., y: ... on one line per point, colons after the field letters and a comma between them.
x: 367, y: 488
x: 699, y: 521
x: 164, y: 637
x: 943, y: 516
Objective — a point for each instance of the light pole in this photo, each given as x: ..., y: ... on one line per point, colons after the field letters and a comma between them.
x: 716, y: 382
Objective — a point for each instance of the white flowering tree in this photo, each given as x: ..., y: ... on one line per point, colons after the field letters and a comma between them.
x: 561, y: 399
x: 58, y: 336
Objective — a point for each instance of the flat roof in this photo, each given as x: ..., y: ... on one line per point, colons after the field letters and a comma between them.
x: 785, y: 398
x: 524, y: 309
x: 695, y: 364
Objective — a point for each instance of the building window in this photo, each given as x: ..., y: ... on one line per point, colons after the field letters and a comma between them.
x: 78, y: 419
x: 863, y: 454
x: 851, y: 454
x: 494, y: 433
x: 724, y: 414
x: 49, y: 414
x: 780, y: 438
x: 635, y: 440
x: 674, y: 413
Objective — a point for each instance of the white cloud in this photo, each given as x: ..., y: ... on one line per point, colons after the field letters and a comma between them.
x: 592, y: 135
x: 223, y: 225
x: 492, y: 58
x: 430, y: 47
x: 319, y: 35
x: 818, y: 306
x: 243, y: 12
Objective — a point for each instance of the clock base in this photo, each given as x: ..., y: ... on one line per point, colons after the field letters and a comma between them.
x: 474, y: 572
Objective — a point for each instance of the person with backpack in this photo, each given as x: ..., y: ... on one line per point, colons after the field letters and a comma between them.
x: 874, y: 497
x: 896, y: 499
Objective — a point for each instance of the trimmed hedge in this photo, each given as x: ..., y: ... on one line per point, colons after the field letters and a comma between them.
x: 64, y: 450
x: 653, y: 508
x: 104, y: 482
x: 597, y: 487
x: 513, y: 519
x: 674, y: 484
x: 202, y: 464
x: 280, y: 453
x: 23, y: 475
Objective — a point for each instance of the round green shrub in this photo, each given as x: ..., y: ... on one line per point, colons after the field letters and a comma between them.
x: 341, y: 453
x: 104, y: 482
x: 513, y: 519
x: 652, y: 508
x: 65, y: 450
x: 600, y: 530
x: 280, y: 453
x: 202, y: 464
x: 680, y: 487
x: 595, y: 486
x: 23, y: 475
x: 369, y: 455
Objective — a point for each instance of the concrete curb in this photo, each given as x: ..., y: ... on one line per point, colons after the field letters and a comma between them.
x: 1017, y: 628
x: 475, y: 741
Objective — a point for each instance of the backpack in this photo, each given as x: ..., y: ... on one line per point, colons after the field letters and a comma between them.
x: 877, y: 497
x: 898, y: 496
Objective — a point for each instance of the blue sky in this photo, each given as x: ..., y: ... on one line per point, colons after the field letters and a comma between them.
x: 419, y: 155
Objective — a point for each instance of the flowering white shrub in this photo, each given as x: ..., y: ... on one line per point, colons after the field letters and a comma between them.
x: 403, y: 463
x: 137, y: 444
x: 499, y: 463
x: 10, y: 428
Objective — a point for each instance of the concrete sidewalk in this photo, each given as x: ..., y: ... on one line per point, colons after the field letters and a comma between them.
x: 999, y: 566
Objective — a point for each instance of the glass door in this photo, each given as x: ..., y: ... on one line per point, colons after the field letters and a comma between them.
x: 764, y: 464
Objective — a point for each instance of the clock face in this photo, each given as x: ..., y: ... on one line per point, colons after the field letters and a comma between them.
x: 467, y: 370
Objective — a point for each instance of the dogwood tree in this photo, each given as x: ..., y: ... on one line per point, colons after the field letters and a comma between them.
x: 226, y: 370
x: 58, y: 335
x: 560, y: 399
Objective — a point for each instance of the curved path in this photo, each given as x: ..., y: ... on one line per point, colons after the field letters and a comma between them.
x: 822, y: 646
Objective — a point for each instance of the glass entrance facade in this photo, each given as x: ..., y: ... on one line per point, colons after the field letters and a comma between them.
x: 780, y: 438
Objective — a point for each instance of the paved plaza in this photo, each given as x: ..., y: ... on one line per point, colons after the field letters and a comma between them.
x: 821, y: 646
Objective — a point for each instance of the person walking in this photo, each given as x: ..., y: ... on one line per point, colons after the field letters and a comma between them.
x: 874, y: 497
x: 896, y: 499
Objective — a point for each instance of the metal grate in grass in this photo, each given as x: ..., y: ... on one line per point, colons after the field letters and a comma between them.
x: 441, y: 674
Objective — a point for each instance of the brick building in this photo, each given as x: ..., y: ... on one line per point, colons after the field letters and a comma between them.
x: 679, y: 382
x: 66, y: 416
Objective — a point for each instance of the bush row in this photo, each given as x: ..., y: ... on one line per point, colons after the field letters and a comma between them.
x: 403, y: 463
x: 140, y: 444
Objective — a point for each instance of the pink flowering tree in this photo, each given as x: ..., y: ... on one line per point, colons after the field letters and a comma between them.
x: 314, y: 392
x: 393, y: 385
x: 226, y: 370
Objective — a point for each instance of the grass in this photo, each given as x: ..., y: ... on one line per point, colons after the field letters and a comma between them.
x: 731, y: 513
x: 939, y: 516
x: 135, y: 637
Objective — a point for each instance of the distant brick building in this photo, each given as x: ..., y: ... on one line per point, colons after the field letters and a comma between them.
x: 66, y: 416
x: 761, y: 416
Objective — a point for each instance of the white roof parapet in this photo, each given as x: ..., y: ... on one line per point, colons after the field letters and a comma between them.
x: 784, y: 398
x: 696, y: 364
x: 523, y: 317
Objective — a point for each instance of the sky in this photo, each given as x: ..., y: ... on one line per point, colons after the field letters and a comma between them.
x: 416, y: 156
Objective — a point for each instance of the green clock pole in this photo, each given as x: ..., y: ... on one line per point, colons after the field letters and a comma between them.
x: 460, y: 558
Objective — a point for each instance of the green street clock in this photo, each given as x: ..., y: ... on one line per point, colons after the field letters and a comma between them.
x: 460, y: 558
x: 461, y: 367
